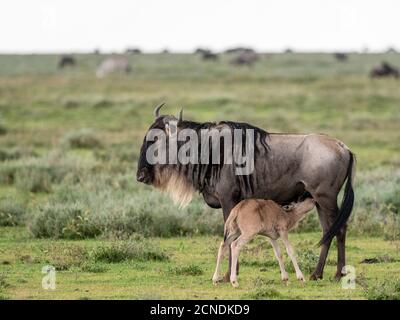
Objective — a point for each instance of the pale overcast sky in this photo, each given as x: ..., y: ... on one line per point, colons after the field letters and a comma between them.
x: 182, y: 25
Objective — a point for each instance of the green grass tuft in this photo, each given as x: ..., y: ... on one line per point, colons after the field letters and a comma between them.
x: 189, y: 270
x: 384, y: 290
x: 120, y: 251
x: 264, y: 293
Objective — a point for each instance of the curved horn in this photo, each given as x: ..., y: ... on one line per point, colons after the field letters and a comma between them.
x: 157, y: 109
x: 180, y: 117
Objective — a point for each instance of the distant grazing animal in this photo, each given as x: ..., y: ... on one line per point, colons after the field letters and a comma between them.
x: 66, y: 61
x: 285, y: 166
x: 340, y: 56
x: 246, y: 58
x: 384, y: 70
x: 391, y: 50
x: 209, y: 56
x: 112, y: 65
x: 240, y: 50
x: 264, y: 217
x: 201, y: 51
x: 133, y: 51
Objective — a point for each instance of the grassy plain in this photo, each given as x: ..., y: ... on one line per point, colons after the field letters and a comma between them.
x: 69, y: 144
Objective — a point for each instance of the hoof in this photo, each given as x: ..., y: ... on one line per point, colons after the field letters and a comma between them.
x: 315, y: 276
x: 217, y: 280
x: 338, y: 276
x: 227, y: 277
x: 235, y: 284
x: 285, y: 282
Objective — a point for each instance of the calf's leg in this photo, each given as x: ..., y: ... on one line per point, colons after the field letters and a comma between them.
x: 226, y: 210
x: 236, y: 246
x: 278, y: 255
x: 221, y: 252
x: 292, y: 255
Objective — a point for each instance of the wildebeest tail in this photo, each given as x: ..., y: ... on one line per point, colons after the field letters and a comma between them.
x: 347, y: 204
x: 231, y: 230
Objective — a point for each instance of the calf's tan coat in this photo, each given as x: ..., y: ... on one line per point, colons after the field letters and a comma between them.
x: 265, y: 217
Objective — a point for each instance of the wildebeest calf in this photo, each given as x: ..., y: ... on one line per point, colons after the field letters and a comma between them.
x: 265, y: 217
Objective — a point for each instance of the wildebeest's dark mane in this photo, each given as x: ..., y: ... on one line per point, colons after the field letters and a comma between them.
x: 207, y: 175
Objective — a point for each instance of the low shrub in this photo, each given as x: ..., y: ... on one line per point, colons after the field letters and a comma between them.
x: 384, y: 290
x: 120, y: 251
x: 39, y: 174
x: 63, y: 256
x: 15, y: 153
x: 84, y: 138
x: 12, y: 212
x: 66, y: 221
x: 3, y: 129
x: 99, y: 207
x: 391, y: 225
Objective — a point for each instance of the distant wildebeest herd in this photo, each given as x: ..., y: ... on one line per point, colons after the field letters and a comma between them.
x: 241, y: 57
x: 288, y: 170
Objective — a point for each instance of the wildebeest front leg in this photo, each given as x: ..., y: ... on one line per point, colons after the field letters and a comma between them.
x: 226, y: 209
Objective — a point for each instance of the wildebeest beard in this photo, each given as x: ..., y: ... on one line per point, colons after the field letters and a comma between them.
x: 181, y: 181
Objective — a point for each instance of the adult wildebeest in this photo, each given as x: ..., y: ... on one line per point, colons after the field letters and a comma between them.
x: 341, y: 57
x: 113, y: 64
x: 209, y: 56
x: 285, y: 167
x: 246, y: 58
x: 133, y: 51
x: 201, y: 51
x: 66, y: 61
x: 384, y: 70
x: 240, y: 50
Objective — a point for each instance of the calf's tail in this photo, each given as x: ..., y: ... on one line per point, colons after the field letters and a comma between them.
x: 231, y: 229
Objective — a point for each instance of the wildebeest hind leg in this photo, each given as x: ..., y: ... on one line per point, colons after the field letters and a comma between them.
x: 341, y: 242
x: 327, y: 212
